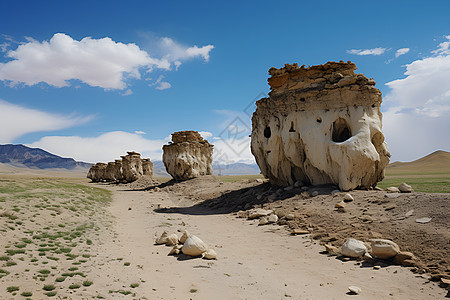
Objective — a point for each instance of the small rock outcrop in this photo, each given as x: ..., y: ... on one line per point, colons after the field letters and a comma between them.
x: 127, y: 169
x: 320, y: 125
x: 132, y: 166
x: 188, y: 156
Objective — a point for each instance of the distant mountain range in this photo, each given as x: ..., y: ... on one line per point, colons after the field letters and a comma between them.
x: 35, y: 158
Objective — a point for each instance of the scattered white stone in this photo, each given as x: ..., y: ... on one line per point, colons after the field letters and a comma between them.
x: 314, y: 193
x: 288, y: 188
x: 290, y: 217
x: 259, y: 197
x: 405, y: 188
x: 194, y: 246
x: 259, y: 180
x: 175, y: 250
x: 210, y: 254
x: 272, y: 218
x: 340, y: 205
x: 354, y: 289
x: 423, y: 220
x: 409, y: 213
x: 335, y: 192
x: 172, y: 240
x: 258, y: 212
x: 384, y: 249
x: 348, y: 197
x: 353, y: 248
x: 263, y: 221
x: 162, y: 239
x: 184, y: 237
x: 392, y: 189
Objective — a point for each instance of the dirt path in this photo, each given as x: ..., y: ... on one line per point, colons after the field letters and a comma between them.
x: 254, y: 262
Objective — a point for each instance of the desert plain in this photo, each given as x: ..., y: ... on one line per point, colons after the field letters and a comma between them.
x: 63, y: 237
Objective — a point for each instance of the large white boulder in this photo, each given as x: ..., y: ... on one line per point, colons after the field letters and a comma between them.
x: 353, y: 248
x: 194, y: 246
x: 320, y: 125
x: 384, y: 249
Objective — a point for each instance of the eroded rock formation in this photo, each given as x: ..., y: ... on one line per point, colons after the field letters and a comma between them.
x: 127, y: 169
x: 97, y: 172
x: 147, y: 167
x: 132, y: 166
x: 320, y: 125
x: 188, y: 155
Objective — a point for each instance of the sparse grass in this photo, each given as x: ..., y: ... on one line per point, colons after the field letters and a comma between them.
x: 50, y: 294
x: 11, y: 289
x: 4, y: 258
x: 48, y: 287
x: 87, y: 283
x: 60, y: 279
x: 134, y: 285
x: 432, y: 183
x: 26, y: 294
x: 74, y: 286
x: 126, y: 264
x: 193, y: 291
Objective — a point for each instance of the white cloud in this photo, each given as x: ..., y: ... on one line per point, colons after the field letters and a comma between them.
x: 205, y: 134
x: 103, y: 148
x: 4, y: 47
x: 176, y: 52
x: 127, y: 93
x: 140, y: 132
x: 16, y: 121
x: 443, y: 48
x: 97, y: 62
x: 418, y: 108
x: 374, y: 51
x: 401, y: 51
x: 161, y: 85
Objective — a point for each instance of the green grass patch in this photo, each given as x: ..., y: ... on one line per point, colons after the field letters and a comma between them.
x: 87, y: 283
x: 49, y: 287
x: 11, y: 289
x: 60, y: 279
x: 50, y: 294
x: 74, y: 286
x: 134, y: 285
x: 426, y: 184
x: 26, y: 294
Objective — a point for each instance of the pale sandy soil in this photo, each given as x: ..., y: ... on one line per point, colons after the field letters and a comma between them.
x: 254, y: 262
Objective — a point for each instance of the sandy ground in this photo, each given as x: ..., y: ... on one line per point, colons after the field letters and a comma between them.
x: 255, y: 262
x: 118, y: 256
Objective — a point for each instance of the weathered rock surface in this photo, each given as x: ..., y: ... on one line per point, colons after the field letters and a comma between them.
x: 405, y: 188
x: 147, y: 167
x: 127, y: 169
x: 194, y: 246
x: 353, y: 248
x: 97, y: 172
x: 384, y: 249
x: 320, y: 125
x: 188, y: 156
x: 132, y: 166
x: 258, y: 213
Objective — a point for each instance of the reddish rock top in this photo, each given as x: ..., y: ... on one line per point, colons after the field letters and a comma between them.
x: 186, y: 136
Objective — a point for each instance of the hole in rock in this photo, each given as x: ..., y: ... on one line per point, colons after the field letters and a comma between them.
x: 341, y: 131
x: 292, y: 127
x: 319, y: 120
x: 267, y: 132
x: 302, y: 99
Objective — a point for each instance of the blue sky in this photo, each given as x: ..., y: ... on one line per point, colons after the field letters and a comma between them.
x: 92, y: 79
